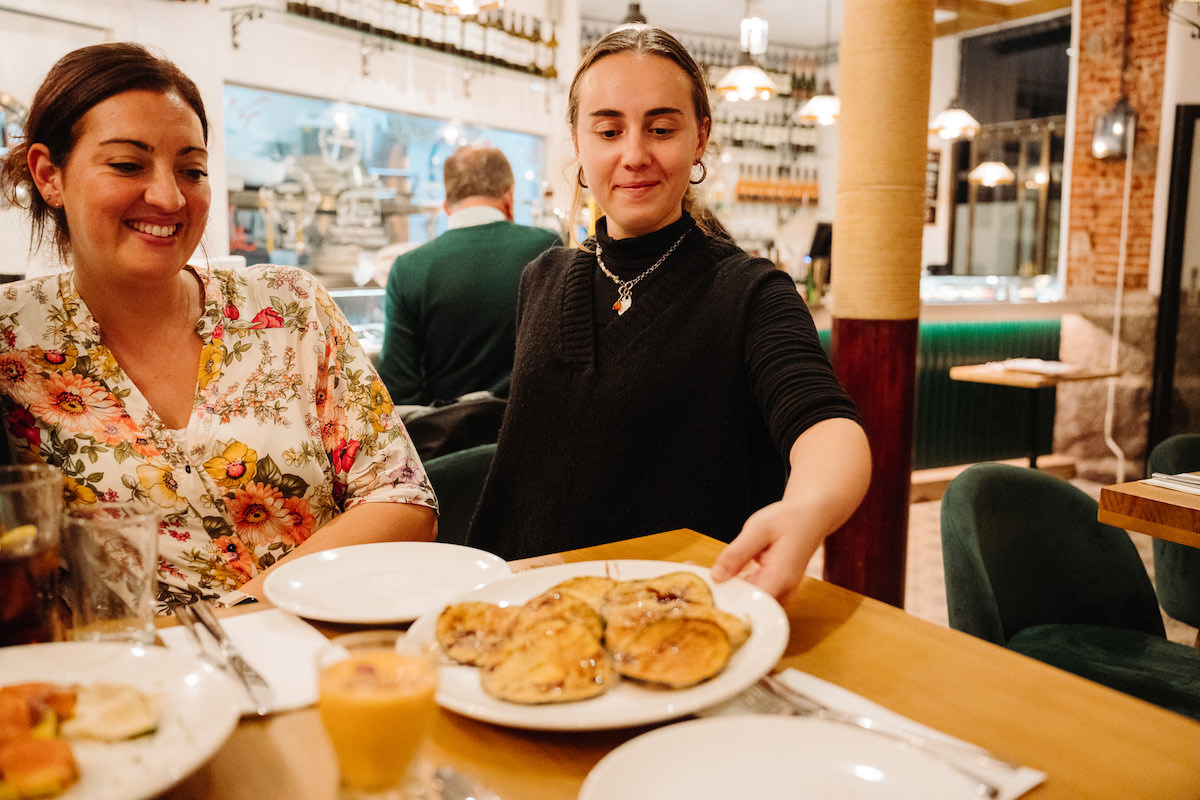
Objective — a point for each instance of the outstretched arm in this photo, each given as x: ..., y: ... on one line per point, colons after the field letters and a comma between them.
x: 830, y: 473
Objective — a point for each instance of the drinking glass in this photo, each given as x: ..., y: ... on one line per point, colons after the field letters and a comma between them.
x: 111, y: 552
x: 31, y: 501
x: 375, y: 694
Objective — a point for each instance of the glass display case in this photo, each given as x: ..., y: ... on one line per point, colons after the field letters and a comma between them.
x: 341, y: 189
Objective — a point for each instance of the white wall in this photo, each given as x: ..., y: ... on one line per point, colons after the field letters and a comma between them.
x: 1180, y: 87
x: 288, y: 54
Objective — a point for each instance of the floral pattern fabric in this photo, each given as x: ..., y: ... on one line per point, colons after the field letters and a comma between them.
x: 290, y: 426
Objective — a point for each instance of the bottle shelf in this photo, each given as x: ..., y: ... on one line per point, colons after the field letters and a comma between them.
x: 518, y: 43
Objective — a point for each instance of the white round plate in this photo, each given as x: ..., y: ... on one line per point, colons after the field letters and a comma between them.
x: 626, y: 703
x: 380, y: 583
x: 717, y: 758
x: 199, y: 711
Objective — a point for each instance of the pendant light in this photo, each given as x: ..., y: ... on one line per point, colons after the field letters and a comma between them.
x: 747, y: 80
x: 824, y: 107
x: 992, y: 172
x: 954, y: 122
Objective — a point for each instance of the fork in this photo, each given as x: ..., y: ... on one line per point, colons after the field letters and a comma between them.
x: 225, y: 658
x: 772, y: 696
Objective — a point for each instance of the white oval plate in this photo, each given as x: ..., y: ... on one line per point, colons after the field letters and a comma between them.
x: 626, y: 703
x: 200, y: 709
x: 717, y: 758
x: 380, y: 583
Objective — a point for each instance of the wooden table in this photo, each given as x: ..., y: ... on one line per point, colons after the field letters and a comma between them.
x: 1156, y: 510
x: 996, y: 374
x: 1091, y: 741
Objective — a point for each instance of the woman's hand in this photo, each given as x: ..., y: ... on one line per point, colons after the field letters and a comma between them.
x: 830, y: 473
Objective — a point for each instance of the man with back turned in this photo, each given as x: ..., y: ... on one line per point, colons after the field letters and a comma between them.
x: 451, y: 303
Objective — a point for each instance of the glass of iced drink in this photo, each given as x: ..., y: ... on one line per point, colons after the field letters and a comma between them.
x: 31, y: 503
x: 376, y: 700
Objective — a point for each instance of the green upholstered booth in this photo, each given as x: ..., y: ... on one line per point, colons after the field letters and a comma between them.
x: 457, y: 479
x: 1029, y: 567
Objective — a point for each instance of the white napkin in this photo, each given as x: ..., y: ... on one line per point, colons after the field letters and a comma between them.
x: 280, y: 646
x: 1012, y: 783
x: 1167, y: 483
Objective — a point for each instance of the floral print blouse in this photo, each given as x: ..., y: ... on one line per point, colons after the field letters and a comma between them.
x: 291, y: 424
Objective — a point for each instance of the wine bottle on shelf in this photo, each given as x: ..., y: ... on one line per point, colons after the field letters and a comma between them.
x: 552, y: 46
x: 473, y: 41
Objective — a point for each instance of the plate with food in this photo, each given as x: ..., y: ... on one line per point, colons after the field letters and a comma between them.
x: 379, y: 583
x: 602, y: 644
x: 107, y: 719
x: 755, y: 755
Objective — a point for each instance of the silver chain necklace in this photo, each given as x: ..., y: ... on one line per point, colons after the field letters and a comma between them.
x: 625, y: 288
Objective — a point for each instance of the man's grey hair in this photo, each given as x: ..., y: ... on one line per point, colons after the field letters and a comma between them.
x: 476, y: 170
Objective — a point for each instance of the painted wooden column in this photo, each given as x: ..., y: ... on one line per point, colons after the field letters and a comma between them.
x: 884, y: 60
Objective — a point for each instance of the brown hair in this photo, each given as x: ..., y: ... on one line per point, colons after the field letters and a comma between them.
x: 646, y: 40
x: 476, y: 170
x: 75, y: 84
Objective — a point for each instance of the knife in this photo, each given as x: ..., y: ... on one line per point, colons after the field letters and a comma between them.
x: 257, y: 687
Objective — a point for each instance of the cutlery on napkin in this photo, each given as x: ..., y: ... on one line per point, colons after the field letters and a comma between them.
x: 1011, y: 783
x: 280, y: 646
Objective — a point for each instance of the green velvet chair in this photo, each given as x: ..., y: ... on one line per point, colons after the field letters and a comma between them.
x: 1177, y: 566
x: 1029, y: 567
x: 457, y: 479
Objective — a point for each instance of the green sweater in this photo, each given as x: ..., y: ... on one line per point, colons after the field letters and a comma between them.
x: 451, y: 312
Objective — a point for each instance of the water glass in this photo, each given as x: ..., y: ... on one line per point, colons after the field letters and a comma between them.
x: 31, y: 501
x: 112, y: 571
x: 376, y: 700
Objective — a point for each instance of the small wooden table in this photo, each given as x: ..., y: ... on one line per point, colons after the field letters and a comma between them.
x: 997, y: 374
x: 1154, y: 510
x: 1091, y: 741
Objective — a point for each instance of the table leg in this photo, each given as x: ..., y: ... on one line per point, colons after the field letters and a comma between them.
x: 1033, y: 427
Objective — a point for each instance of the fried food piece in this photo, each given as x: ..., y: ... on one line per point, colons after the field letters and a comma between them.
x: 472, y: 632
x: 675, y: 651
x: 626, y: 621
x: 37, y: 767
x: 112, y: 712
x: 557, y: 661
x: 588, y: 588
x: 672, y: 589
x: 557, y: 605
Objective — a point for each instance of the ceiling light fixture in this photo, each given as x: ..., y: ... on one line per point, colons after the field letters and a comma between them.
x: 463, y: 8
x: 992, y: 173
x: 953, y: 122
x: 747, y: 80
x: 824, y: 107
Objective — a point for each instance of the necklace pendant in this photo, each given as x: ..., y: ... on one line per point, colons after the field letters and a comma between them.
x: 622, y: 305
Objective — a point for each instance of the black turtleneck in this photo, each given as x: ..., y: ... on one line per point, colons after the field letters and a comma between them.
x: 678, y: 414
x: 628, y: 258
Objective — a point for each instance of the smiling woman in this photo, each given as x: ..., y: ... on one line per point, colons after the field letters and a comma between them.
x: 706, y: 400
x: 125, y: 370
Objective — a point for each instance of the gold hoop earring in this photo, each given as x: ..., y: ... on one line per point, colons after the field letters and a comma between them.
x: 579, y: 179
x: 703, y: 173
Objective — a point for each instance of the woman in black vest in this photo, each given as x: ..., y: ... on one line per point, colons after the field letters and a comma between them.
x: 664, y: 378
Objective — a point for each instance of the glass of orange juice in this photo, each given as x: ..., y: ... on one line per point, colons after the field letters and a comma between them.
x: 375, y: 695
